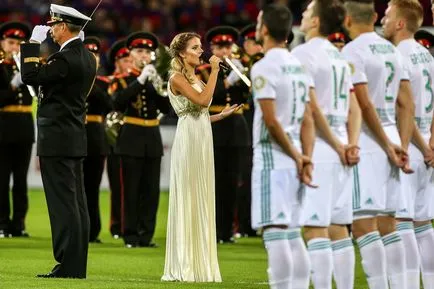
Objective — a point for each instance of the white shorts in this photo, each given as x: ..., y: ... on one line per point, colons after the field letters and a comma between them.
x: 331, y: 202
x: 417, y: 202
x: 377, y: 184
x: 275, y: 197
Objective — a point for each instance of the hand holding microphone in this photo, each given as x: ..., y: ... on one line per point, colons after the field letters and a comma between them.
x: 206, y: 57
x: 215, y: 63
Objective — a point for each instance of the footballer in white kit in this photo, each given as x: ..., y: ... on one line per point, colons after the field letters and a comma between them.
x: 275, y: 183
x: 384, y: 99
x: 377, y: 183
x: 417, y: 204
x: 282, y: 125
x: 331, y: 202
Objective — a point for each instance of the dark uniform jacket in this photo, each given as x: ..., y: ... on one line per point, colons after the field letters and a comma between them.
x: 65, y: 81
x: 231, y: 131
x: 98, y: 104
x: 140, y: 102
x: 16, y: 125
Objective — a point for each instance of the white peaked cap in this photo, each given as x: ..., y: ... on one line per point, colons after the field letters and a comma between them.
x: 66, y: 14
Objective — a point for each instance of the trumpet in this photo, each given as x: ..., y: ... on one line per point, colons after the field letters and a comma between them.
x: 161, y: 58
x: 2, y: 55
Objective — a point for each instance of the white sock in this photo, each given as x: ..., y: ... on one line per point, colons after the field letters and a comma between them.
x: 425, y: 240
x: 344, y: 262
x: 280, y: 264
x: 321, y: 260
x: 301, y: 273
x: 373, y: 260
x: 412, y: 260
x: 395, y: 255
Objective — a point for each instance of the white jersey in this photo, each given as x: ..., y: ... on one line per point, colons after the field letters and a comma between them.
x: 420, y: 66
x: 331, y: 77
x: 378, y: 63
x: 281, y: 77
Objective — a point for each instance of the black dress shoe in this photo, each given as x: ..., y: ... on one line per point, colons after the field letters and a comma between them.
x: 226, y: 241
x: 20, y: 233
x: 148, y: 245
x: 97, y: 241
x: 48, y: 275
x: 4, y: 234
x: 132, y: 245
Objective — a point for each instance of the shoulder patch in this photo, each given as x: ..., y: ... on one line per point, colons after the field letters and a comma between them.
x: 259, y: 82
x: 352, y: 69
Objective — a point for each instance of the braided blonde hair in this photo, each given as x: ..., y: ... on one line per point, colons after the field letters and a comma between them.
x: 178, y: 45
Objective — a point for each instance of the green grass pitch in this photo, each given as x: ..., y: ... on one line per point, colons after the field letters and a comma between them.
x: 110, y: 265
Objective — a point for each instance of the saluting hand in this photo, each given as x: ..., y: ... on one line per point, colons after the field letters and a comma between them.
x: 39, y: 33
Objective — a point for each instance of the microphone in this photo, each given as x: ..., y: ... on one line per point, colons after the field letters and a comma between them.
x: 207, y: 55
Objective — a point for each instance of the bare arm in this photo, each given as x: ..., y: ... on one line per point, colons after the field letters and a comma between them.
x: 307, y: 137
x: 225, y: 112
x: 307, y: 134
x: 180, y: 85
x: 323, y: 127
x: 268, y: 107
x: 354, y: 121
x: 419, y: 141
x: 371, y: 119
x: 369, y: 115
x: 405, y: 113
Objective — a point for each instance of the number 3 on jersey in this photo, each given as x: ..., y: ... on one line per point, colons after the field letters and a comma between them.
x: 339, y: 94
x: 299, y: 91
x: 428, y: 87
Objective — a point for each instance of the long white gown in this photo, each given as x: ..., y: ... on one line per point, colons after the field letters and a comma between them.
x: 191, y: 245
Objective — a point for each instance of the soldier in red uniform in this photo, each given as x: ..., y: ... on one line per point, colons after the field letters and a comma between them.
x: 119, y: 56
x: 98, y: 104
x: 16, y: 133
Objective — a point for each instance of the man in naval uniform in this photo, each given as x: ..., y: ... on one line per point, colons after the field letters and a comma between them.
x: 64, y: 83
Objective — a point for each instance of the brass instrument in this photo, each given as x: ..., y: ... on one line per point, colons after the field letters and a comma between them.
x: 2, y: 55
x: 161, y: 58
x: 236, y: 52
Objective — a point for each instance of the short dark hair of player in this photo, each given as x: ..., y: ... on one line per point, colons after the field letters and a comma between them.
x: 361, y: 11
x: 278, y: 20
x: 331, y: 14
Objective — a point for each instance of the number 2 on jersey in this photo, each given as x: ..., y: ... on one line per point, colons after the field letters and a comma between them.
x: 389, y: 65
x: 339, y: 94
x: 428, y: 87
